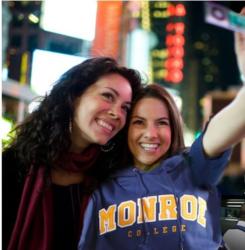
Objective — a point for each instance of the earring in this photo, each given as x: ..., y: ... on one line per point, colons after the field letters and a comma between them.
x: 109, y: 146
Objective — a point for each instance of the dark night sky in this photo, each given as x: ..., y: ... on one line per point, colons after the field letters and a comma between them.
x: 221, y: 38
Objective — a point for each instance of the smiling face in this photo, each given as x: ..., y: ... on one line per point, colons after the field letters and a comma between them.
x: 100, y: 112
x: 149, y: 134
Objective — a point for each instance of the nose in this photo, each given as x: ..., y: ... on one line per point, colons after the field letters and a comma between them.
x: 150, y: 132
x: 115, y: 112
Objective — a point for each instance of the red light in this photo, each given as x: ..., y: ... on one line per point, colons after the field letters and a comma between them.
x: 171, y: 10
x: 170, y: 27
x: 179, y: 28
x: 169, y: 40
x: 175, y: 42
x: 168, y: 63
x: 167, y: 77
x: 177, y: 63
x: 179, y: 40
x: 180, y: 10
x: 174, y: 63
x: 176, y: 51
x: 175, y: 76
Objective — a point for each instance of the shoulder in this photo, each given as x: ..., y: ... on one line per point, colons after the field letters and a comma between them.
x: 206, y: 171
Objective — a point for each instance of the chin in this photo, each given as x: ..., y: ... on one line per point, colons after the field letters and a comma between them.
x: 102, y: 141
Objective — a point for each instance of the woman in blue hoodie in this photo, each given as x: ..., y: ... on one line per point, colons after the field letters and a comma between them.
x: 166, y: 197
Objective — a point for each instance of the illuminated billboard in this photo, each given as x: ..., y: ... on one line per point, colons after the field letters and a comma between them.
x: 74, y: 18
x: 47, y: 67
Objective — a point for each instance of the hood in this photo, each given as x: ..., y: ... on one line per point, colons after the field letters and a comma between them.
x: 169, y: 165
x: 137, y: 181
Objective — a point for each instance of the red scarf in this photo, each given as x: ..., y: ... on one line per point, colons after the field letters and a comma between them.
x: 33, y: 227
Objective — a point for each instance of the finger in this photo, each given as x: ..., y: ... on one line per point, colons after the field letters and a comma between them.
x: 243, y: 11
x: 240, y: 37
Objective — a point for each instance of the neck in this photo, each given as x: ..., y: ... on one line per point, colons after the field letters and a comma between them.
x: 63, y: 177
x: 78, y: 144
x: 76, y: 148
x: 146, y: 168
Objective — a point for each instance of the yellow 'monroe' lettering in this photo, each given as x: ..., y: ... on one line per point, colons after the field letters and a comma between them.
x: 126, y: 213
x: 107, y: 221
x: 188, y: 207
x: 167, y: 206
x: 201, y: 211
x: 147, y: 209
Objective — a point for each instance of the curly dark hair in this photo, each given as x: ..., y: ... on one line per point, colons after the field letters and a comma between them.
x: 44, y: 135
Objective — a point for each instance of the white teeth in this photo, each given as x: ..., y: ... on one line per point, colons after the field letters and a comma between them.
x: 149, y: 147
x: 105, y: 125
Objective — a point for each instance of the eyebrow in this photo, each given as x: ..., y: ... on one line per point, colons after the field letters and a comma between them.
x: 158, y: 119
x: 163, y: 118
x: 113, y: 90
x: 117, y: 94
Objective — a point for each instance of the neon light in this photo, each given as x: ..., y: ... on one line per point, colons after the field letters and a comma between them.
x: 179, y: 28
x: 180, y: 10
x: 171, y: 10
x: 178, y: 40
x: 172, y: 61
x: 176, y: 51
x: 175, y: 40
x: 174, y: 76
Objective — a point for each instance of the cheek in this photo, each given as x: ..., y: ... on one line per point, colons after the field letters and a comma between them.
x: 168, y: 137
x: 124, y: 118
x: 130, y: 138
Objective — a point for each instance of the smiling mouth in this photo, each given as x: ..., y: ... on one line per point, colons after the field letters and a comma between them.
x: 105, y: 125
x: 149, y: 147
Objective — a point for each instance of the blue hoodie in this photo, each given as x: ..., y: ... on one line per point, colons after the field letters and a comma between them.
x: 174, y: 206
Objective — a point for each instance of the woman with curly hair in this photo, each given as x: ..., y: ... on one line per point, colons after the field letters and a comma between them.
x: 55, y: 159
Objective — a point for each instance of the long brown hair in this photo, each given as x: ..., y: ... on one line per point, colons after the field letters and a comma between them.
x: 176, y: 123
x: 159, y: 92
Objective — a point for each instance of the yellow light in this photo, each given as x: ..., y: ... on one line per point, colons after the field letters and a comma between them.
x: 161, y: 73
x: 161, y: 5
x: 33, y: 18
x: 24, y: 68
x: 6, y: 126
x: 159, y: 53
x: 145, y: 10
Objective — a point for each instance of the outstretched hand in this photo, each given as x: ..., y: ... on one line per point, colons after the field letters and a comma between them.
x: 240, y: 47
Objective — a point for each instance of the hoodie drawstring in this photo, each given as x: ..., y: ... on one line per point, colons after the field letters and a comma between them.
x: 181, y: 243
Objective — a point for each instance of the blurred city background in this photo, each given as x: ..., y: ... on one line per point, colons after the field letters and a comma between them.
x: 169, y: 42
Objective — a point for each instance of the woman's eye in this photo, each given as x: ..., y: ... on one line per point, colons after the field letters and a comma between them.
x: 137, y: 122
x: 163, y: 123
x: 126, y: 108
x: 108, y: 96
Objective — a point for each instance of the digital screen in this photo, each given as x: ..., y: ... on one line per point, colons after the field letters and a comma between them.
x: 71, y: 18
x: 47, y: 67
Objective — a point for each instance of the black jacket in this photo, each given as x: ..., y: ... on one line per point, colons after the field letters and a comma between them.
x: 12, y: 184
